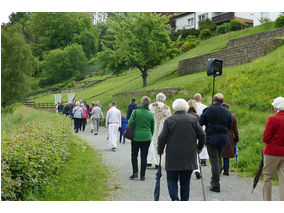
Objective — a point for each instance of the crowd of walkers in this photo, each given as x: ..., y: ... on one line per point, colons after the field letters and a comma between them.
x: 193, y: 130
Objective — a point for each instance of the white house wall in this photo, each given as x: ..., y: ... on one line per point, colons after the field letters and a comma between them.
x: 182, y: 22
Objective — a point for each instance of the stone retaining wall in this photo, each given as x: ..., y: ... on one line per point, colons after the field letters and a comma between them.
x: 239, y: 51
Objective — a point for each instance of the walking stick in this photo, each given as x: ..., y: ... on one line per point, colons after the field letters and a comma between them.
x: 201, y: 175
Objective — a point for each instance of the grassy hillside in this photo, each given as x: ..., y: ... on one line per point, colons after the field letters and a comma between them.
x: 249, y: 89
x: 134, y: 80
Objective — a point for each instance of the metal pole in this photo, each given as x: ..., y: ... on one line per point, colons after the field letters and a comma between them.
x: 213, y: 87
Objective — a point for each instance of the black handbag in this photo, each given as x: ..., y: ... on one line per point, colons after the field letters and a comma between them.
x: 129, y: 132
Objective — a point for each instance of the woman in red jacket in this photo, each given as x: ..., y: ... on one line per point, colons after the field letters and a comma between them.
x: 273, y: 153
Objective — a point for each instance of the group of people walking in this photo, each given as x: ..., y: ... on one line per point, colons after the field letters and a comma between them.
x: 192, y: 130
x: 181, y: 134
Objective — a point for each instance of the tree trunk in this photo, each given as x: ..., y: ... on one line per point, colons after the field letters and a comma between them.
x: 144, y: 76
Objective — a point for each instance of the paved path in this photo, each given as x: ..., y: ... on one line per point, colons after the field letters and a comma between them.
x: 233, y: 188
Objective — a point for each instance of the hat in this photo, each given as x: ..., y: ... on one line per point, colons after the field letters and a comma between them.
x: 278, y: 103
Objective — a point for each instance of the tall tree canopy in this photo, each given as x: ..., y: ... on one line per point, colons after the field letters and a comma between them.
x: 59, y: 65
x: 136, y: 40
x: 54, y: 30
x: 17, y: 64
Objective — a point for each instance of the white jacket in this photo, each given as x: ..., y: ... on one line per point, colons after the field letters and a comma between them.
x: 113, y: 116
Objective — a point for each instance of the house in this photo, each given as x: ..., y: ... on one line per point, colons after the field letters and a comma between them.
x: 190, y: 20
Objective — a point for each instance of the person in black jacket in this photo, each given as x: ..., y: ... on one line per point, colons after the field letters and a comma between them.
x: 179, y: 134
x: 131, y: 107
x: 217, y: 120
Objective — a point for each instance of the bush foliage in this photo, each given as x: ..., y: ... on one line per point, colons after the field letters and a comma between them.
x: 205, y: 34
x: 32, y: 153
x: 279, y: 21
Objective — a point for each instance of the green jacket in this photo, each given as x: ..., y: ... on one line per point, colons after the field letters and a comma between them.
x: 144, y: 124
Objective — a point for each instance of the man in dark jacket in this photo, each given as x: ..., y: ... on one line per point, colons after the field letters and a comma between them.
x: 131, y: 107
x: 217, y: 120
x: 180, y: 133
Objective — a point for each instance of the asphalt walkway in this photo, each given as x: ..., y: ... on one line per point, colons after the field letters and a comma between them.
x: 233, y: 187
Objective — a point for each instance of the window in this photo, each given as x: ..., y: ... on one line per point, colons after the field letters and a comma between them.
x: 190, y: 22
x: 203, y: 16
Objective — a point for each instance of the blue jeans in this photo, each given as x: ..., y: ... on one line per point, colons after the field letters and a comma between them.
x: 172, y: 179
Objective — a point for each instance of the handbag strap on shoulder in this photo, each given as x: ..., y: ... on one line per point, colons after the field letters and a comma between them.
x: 134, y: 116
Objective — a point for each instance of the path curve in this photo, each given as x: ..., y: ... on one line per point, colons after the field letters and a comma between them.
x: 233, y: 188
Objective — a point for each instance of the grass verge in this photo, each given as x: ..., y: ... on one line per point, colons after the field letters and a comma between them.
x: 84, y: 177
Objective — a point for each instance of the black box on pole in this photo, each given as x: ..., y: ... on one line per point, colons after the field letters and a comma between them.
x: 214, y: 67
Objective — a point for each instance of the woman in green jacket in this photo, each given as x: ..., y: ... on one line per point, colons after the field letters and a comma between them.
x: 143, y: 132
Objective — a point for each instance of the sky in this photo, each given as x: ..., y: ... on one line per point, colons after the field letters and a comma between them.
x: 138, y: 6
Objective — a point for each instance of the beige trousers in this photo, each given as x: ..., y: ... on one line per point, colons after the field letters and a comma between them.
x: 271, y: 165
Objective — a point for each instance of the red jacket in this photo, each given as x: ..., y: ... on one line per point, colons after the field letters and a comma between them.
x: 273, y: 135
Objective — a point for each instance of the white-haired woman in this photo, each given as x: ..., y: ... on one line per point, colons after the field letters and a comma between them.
x: 180, y: 133
x: 273, y: 153
x: 143, y: 132
x: 160, y: 111
x: 77, y: 114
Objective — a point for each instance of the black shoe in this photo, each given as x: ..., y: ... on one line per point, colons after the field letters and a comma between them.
x: 226, y: 173
x: 134, y: 176
x: 197, y: 175
x: 92, y: 131
x: 149, y: 165
x: 156, y: 166
x: 214, y: 189
x: 96, y: 133
x: 76, y: 131
x: 142, y: 178
x: 113, y: 149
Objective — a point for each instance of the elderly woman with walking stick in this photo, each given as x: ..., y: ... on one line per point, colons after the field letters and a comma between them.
x: 180, y: 133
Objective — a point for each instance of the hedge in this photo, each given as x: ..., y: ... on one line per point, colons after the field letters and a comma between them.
x: 32, y: 153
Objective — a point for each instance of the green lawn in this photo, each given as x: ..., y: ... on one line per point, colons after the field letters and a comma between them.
x: 84, y: 177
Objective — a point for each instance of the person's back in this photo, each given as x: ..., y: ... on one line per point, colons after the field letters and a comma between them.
x: 113, y: 115
x: 84, y: 112
x: 218, y: 121
x: 130, y: 108
x: 77, y: 112
x: 273, y: 135
x: 97, y: 112
x: 144, y: 124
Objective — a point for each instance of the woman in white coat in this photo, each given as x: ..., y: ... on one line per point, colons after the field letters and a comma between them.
x: 160, y: 111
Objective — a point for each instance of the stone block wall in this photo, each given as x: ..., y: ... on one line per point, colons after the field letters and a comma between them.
x: 239, y: 51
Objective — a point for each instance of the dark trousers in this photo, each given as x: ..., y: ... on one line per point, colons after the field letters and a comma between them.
x: 226, y: 164
x: 121, y: 135
x: 214, y: 153
x: 83, y: 123
x: 143, y: 146
x: 77, y: 124
x: 184, y: 178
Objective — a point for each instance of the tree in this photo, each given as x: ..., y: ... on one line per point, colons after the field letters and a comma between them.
x: 89, y: 42
x: 139, y: 40
x: 57, y: 30
x: 17, y: 64
x: 59, y: 65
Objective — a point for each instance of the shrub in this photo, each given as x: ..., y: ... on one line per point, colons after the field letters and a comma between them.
x: 32, y: 153
x: 205, y: 34
x: 279, y: 21
x: 224, y: 28
x: 207, y: 24
x: 237, y: 25
x: 190, y: 42
x: 183, y: 33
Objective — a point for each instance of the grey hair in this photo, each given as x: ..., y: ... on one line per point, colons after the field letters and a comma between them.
x: 278, y: 103
x: 145, y: 101
x: 161, y: 97
x: 180, y: 105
